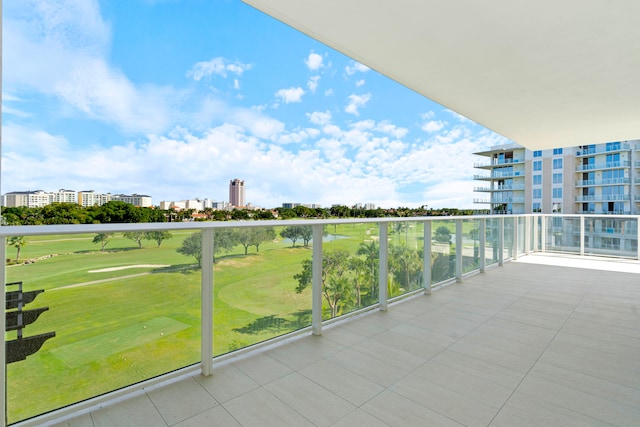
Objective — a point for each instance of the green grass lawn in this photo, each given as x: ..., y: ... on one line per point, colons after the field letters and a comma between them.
x: 115, y: 328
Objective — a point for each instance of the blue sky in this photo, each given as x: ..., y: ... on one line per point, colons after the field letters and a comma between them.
x: 175, y: 98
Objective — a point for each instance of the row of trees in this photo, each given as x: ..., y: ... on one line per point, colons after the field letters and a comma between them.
x: 121, y: 212
x: 225, y: 239
x: 137, y: 236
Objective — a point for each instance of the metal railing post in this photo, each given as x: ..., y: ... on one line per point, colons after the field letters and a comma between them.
x: 482, y: 235
x: 206, y: 304
x: 458, y: 250
x: 536, y: 234
x: 316, y: 281
x: 426, y: 259
x: 501, y: 241
x: 582, y: 223
x: 527, y: 235
x: 543, y: 235
x: 514, y: 253
x: 383, y: 293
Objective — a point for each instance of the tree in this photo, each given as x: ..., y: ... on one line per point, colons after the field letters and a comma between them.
x: 336, y: 283
x: 405, y: 265
x: 253, y: 236
x: 17, y: 242
x: 136, y: 236
x: 306, y: 233
x: 292, y: 233
x: 443, y: 235
x: 158, y: 236
x: 371, y: 253
x: 103, y: 239
x: 192, y: 246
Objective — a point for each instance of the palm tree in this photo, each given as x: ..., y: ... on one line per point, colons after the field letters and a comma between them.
x: 17, y: 242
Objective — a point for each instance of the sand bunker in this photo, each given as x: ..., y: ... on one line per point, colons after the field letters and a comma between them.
x: 124, y: 267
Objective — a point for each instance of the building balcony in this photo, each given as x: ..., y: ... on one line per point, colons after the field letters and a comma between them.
x: 599, y: 182
x: 497, y: 174
x: 608, y: 165
x: 599, y: 150
x: 499, y: 188
x: 602, y: 212
x: 496, y: 163
x: 603, y: 198
x: 536, y: 339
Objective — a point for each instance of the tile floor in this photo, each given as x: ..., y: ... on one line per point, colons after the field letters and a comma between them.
x: 528, y: 344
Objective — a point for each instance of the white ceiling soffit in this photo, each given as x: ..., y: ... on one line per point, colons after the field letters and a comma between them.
x: 545, y: 73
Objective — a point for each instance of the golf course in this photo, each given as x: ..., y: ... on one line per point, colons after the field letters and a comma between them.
x: 126, y: 314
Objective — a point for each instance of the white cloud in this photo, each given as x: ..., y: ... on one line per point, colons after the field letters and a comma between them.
x: 355, y: 67
x: 328, y: 92
x: 314, y: 61
x: 312, y: 83
x: 217, y: 66
x: 433, y: 126
x: 319, y: 117
x: 290, y: 95
x: 428, y: 115
x: 360, y: 83
x: 356, y: 102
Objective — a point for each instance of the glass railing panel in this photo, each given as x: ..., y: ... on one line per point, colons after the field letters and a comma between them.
x: 611, y: 236
x: 509, y: 230
x: 351, y: 260
x: 124, y: 309
x: 521, y: 221
x: 406, y: 248
x: 563, y: 234
x: 470, y: 245
x: 262, y: 284
x: 492, y: 245
x: 443, y: 250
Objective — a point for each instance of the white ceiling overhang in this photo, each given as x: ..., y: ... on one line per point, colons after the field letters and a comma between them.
x: 541, y: 73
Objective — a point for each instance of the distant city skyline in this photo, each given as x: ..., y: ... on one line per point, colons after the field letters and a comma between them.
x: 189, y: 96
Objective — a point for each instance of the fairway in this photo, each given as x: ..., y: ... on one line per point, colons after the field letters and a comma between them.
x: 114, y: 342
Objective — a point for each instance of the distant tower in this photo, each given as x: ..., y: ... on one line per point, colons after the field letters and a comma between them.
x: 236, y: 192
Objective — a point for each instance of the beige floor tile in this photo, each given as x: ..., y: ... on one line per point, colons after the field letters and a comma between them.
x: 396, y: 410
x: 368, y: 367
x: 262, y: 368
x: 217, y: 416
x: 344, y: 383
x: 133, y: 412
x: 446, y: 401
x: 181, y: 400
x: 226, y: 383
x: 360, y: 418
x: 260, y: 408
x: 319, y: 405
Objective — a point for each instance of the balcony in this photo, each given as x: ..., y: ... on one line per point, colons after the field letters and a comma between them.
x: 598, y: 182
x: 537, y: 339
x: 498, y: 188
x: 497, y: 162
x: 605, y: 149
x: 607, y: 165
x: 603, y: 197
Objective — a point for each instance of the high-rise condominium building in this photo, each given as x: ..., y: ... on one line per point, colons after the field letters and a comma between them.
x: 236, y: 192
x: 588, y: 179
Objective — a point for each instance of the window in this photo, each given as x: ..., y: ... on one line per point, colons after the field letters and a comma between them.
x: 537, y: 153
x: 611, y: 146
x: 557, y: 178
x: 557, y: 163
x: 557, y: 151
x: 537, y: 165
x: 537, y: 179
x: 613, y: 159
x: 537, y: 193
x: 557, y: 193
x: 537, y: 207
